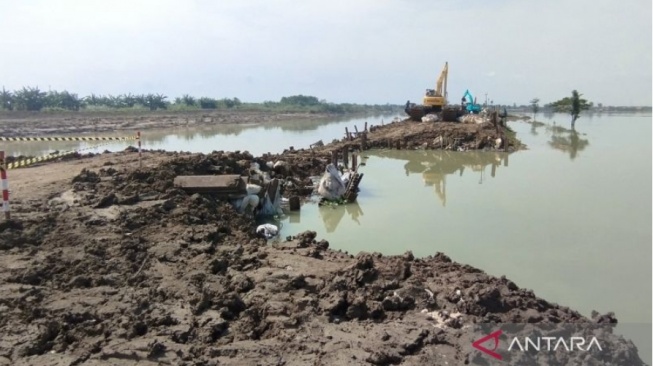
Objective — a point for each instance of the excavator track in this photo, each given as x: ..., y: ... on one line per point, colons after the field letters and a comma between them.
x: 448, y: 114
x: 452, y: 114
x: 417, y: 111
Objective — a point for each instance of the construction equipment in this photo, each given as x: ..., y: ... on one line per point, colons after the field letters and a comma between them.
x: 435, y: 101
x: 470, y: 106
x: 437, y: 98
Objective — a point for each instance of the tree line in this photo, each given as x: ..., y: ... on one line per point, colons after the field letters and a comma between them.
x: 34, y: 99
x: 572, y: 105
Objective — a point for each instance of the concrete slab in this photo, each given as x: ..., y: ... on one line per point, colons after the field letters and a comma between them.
x: 229, y: 185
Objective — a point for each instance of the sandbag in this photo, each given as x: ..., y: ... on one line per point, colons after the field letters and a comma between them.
x: 268, y: 231
x: 253, y: 189
x: 430, y: 118
x: 331, y: 185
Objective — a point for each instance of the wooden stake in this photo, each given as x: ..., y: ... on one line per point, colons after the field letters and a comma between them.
x: 5, y: 186
x: 294, y: 203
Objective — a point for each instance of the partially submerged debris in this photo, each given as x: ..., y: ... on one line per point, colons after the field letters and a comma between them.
x: 267, y: 231
x: 224, y: 186
x: 331, y: 186
x: 336, y: 187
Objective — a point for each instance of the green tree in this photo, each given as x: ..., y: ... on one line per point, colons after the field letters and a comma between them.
x: 63, y: 100
x: 572, y: 105
x: 208, y: 103
x: 155, y: 101
x: 6, y: 100
x: 128, y: 100
x: 188, y: 100
x: 300, y: 100
x: 92, y: 100
x: 30, y: 99
x: 535, y: 106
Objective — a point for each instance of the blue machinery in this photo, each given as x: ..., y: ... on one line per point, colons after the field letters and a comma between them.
x: 470, y: 105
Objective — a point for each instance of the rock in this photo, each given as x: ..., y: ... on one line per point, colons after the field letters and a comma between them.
x: 107, y: 201
x: 358, y: 309
x: 322, y: 245
x: 168, y: 205
x: 408, y: 256
x: 607, y: 318
x: 86, y: 176
x: 242, y: 283
x: 384, y: 358
x: 129, y: 200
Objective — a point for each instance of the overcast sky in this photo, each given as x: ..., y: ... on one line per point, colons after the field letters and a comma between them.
x: 361, y: 51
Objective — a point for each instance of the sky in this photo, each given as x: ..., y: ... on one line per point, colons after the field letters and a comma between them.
x: 358, y: 51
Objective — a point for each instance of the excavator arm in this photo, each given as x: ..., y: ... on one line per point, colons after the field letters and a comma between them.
x: 438, y: 98
x: 471, y: 107
x: 469, y: 97
x: 442, y: 81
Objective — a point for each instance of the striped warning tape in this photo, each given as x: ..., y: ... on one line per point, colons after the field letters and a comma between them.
x: 30, y: 161
x: 84, y: 138
x: 26, y: 162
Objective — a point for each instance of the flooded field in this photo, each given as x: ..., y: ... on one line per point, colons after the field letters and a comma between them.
x: 256, y: 138
x: 569, y: 218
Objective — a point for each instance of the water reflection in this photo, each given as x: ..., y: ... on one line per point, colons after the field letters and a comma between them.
x: 257, y: 135
x: 534, y: 126
x: 307, y: 217
x: 436, y: 165
x: 568, y: 141
x: 561, y: 138
x: 331, y: 215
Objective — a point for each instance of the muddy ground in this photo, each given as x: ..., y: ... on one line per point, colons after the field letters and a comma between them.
x: 104, y: 262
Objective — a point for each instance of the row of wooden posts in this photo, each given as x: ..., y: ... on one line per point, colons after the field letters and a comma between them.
x: 389, y: 143
x: 363, y: 145
x: 344, y: 152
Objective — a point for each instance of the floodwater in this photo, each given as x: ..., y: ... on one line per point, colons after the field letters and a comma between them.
x: 258, y: 139
x: 569, y: 218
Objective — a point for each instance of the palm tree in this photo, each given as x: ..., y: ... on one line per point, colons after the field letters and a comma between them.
x: 6, y: 100
x: 30, y: 99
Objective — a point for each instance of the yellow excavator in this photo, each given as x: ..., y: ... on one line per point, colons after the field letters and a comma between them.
x: 437, y: 98
x: 435, y: 101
